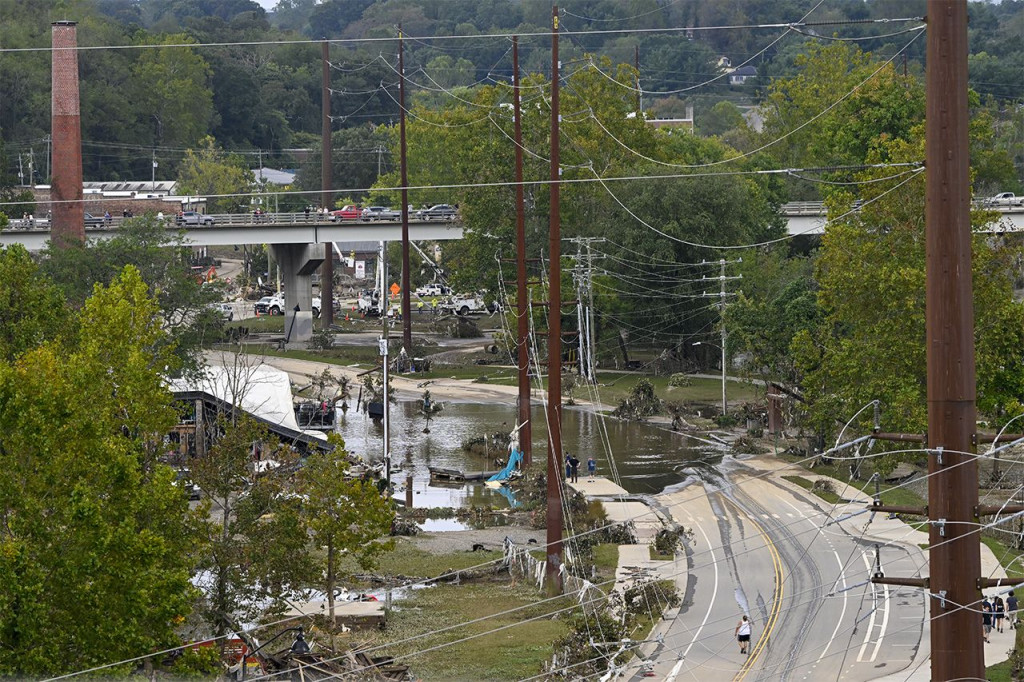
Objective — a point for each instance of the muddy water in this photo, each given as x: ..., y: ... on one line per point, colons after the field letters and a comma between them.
x: 648, y: 459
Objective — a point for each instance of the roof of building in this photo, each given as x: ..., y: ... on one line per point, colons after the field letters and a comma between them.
x: 136, y: 186
x: 744, y: 71
x: 262, y: 391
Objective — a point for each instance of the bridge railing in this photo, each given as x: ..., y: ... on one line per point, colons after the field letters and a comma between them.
x: 219, y: 220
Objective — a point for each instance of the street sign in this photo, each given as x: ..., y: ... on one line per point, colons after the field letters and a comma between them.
x: 395, y: 289
x: 360, y: 269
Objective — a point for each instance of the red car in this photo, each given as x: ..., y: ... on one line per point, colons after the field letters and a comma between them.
x: 346, y: 213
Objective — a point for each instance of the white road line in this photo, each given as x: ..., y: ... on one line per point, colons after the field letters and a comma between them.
x: 711, y: 604
x: 885, y: 623
x: 842, y: 615
x: 675, y: 671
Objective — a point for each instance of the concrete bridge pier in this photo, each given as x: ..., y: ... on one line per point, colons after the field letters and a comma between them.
x: 298, y: 262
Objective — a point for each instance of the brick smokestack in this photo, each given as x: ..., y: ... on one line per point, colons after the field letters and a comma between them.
x: 68, y: 218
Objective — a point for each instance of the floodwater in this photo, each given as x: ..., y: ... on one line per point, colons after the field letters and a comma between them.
x: 648, y: 459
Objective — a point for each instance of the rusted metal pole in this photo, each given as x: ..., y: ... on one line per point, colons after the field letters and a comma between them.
x: 954, y: 554
x: 406, y: 300
x: 555, y: 468
x: 326, y: 181
x: 522, y: 305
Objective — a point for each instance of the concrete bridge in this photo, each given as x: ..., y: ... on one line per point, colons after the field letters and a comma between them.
x: 298, y: 242
x: 809, y: 218
x: 241, y: 228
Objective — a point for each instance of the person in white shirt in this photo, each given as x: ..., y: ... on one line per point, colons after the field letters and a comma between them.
x: 743, y: 634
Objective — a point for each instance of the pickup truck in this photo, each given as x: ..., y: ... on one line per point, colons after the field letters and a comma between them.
x: 275, y: 305
x: 433, y: 290
x: 1005, y: 199
x: 465, y: 304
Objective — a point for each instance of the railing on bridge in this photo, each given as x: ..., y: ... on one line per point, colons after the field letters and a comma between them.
x: 219, y: 220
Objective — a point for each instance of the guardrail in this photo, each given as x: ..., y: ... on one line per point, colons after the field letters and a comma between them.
x: 219, y: 220
x: 798, y: 208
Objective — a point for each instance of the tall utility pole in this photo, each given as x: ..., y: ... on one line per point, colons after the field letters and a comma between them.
x: 722, y: 296
x: 584, y: 277
x: 639, y: 92
x: 954, y: 582
x: 555, y: 469
x: 406, y: 300
x: 522, y: 304
x: 326, y: 181
x: 954, y: 550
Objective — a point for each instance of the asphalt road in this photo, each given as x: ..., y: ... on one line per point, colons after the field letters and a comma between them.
x: 762, y: 548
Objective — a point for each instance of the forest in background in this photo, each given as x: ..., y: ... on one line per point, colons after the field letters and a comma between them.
x: 260, y: 99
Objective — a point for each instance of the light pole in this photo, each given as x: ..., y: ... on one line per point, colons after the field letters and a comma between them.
x: 725, y: 405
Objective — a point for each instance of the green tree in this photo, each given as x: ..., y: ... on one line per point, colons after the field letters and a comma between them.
x: 96, y: 544
x: 32, y: 309
x: 870, y: 341
x: 211, y: 172
x: 346, y: 516
x: 164, y: 262
x: 172, y: 84
x: 256, y: 548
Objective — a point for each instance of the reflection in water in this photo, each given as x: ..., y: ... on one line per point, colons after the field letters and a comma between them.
x: 648, y: 459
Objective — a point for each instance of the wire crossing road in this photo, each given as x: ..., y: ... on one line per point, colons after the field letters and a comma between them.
x: 766, y: 548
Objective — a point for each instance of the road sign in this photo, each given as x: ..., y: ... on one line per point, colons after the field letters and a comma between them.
x: 395, y: 289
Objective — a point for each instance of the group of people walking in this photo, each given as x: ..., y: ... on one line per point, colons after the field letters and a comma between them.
x: 995, y: 611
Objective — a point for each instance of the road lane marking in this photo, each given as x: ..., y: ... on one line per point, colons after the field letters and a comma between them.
x: 773, y: 618
x: 711, y: 605
x: 842, y: 615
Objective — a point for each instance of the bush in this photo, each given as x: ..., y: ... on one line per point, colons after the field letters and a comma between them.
x: 322, y: 340
x: 640, y: 404
x: 679, y: 379
x: 198, y: 663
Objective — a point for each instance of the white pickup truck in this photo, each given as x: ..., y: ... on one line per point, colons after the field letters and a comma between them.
x: 1005, y: 199
x: 465, y: 304
x: 275, y: 305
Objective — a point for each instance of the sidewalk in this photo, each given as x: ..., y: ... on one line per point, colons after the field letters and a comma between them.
x: 635, y: 560
x: 851, y: 518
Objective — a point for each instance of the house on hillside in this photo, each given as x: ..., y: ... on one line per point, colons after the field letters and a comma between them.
x: 741, y: 75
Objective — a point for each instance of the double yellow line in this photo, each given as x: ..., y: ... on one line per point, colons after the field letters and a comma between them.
x: 773, y: 617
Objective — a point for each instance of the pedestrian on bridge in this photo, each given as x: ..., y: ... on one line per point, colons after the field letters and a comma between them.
x: 743, y: 635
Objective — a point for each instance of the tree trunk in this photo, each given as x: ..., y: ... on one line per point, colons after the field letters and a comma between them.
x: 330, y: 588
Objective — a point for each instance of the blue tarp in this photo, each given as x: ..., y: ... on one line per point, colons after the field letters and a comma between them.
x: 506, y: 473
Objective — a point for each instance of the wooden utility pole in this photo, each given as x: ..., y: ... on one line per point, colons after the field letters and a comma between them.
x: 326, y: 180
x: 954, y: 554
x: 555, y: 468
x: 522, y: 304
x: 406, y: 300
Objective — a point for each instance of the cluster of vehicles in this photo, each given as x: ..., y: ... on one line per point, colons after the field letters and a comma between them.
x: 444, y: 212
x: 436, y: 298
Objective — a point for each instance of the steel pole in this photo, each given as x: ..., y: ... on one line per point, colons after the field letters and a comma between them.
x: 406, y: 300
x: 954, y: 554
x: 522, y: 304
x: 555, y: 468
x: 326, y: 180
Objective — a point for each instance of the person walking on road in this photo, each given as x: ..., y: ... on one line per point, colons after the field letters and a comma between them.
x: 1011, y: 610
x: 743, y: 635
x: 986, y: 619
x: 998, y: 612
x: 591, y: 468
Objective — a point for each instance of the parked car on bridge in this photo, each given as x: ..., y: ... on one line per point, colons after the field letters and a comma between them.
x: 437, y: 212
x: 194, y: 218
x: 380, y: 213
x: 346, y: 213
x: 1005, y: 199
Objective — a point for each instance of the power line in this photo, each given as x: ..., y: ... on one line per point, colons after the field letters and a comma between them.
x: 537, y: 34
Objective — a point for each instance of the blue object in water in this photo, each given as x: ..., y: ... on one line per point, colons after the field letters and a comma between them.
x: 513, y: 463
